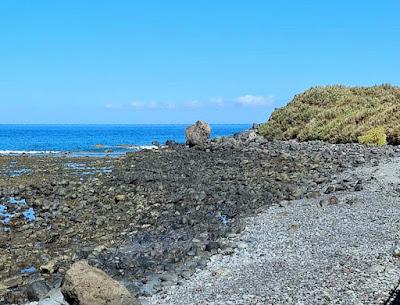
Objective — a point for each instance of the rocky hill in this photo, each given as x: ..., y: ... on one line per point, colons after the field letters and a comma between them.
x: 339, y: 114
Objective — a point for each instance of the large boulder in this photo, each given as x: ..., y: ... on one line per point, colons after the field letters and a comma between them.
x: 86, y: 285
x: 198, y: 134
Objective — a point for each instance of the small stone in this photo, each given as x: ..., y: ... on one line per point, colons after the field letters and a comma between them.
x: 169, y: 277
x: 242, y: 245
x: 333, y: 200
x: 120, y: 198
x: 329, y: 189
x: 313, y: 195
x: 330, y: 201
x: 37, y: 290
x: 284, y: 203
x: 396, y: 249
x: 50, y: 267
x: 212, y: 246
x: 359, y: 186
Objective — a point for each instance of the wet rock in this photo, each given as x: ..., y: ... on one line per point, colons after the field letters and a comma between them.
x: 37, y: 290
x: 198, y: 134
x: 86, y: 285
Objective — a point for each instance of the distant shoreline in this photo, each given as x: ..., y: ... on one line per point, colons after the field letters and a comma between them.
x: 96, y: 139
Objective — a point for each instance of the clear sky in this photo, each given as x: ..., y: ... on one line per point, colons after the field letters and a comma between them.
x: 175, y: 61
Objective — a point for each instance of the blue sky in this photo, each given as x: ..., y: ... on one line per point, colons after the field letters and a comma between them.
x: 148, y: 61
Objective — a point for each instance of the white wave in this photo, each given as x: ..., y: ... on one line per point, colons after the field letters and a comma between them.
x: 148, y: 147
x: 134, y: 147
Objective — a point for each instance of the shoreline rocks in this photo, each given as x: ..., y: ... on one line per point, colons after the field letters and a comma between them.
x: 157, y: 216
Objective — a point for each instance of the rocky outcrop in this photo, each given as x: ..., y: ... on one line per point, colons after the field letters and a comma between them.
x: 86, y: 285
x: 198, y: 134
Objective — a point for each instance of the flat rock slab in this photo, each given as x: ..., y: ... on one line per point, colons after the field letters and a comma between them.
x: 306, y: 253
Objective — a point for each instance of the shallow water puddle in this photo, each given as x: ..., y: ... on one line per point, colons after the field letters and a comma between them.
x: 20, y: 172
x: 11, y: 207
x: 13, y: 172
x: 28, y: 270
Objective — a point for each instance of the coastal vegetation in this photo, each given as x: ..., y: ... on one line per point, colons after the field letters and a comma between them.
x: 339, y: 114
x: 375, y: 136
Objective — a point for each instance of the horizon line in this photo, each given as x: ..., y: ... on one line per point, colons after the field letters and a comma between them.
x: 2, y: 124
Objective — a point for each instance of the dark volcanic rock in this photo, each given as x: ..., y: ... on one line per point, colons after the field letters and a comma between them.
x: 212, y: 246
x: 37, y: 290
x: 158, y: 212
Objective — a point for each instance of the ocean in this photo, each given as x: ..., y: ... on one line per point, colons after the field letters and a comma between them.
x: 95, y: 139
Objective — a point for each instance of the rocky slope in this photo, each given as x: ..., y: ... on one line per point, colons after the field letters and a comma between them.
x: 340, y: 248
x: 151, y: 219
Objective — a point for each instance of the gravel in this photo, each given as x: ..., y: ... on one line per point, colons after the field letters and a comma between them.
x: 308, y: 253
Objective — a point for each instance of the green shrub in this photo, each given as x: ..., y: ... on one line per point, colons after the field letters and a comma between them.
x: 337, y: 114
x: 375, y: 136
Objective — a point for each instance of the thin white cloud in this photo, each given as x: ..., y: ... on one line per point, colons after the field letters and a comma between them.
x: 137, y: 105
x: 170, y: 106
x: 192, y: 104
x: 215, y: 102
x: 153, y: 105
x: 113, y: 106
x: 255, y: 100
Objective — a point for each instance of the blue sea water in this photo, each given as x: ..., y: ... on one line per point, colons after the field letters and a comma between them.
x: 95, y: 139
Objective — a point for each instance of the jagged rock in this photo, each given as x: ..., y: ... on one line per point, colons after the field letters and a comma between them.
x: 37, y: 290
x: 86, y: 285
x: 198, y: 134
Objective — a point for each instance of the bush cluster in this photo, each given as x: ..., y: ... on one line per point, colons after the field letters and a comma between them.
x: 338, y: 114
x: 375, y: 136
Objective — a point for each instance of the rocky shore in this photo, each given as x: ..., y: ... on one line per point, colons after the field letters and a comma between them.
x: 152, y: 219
